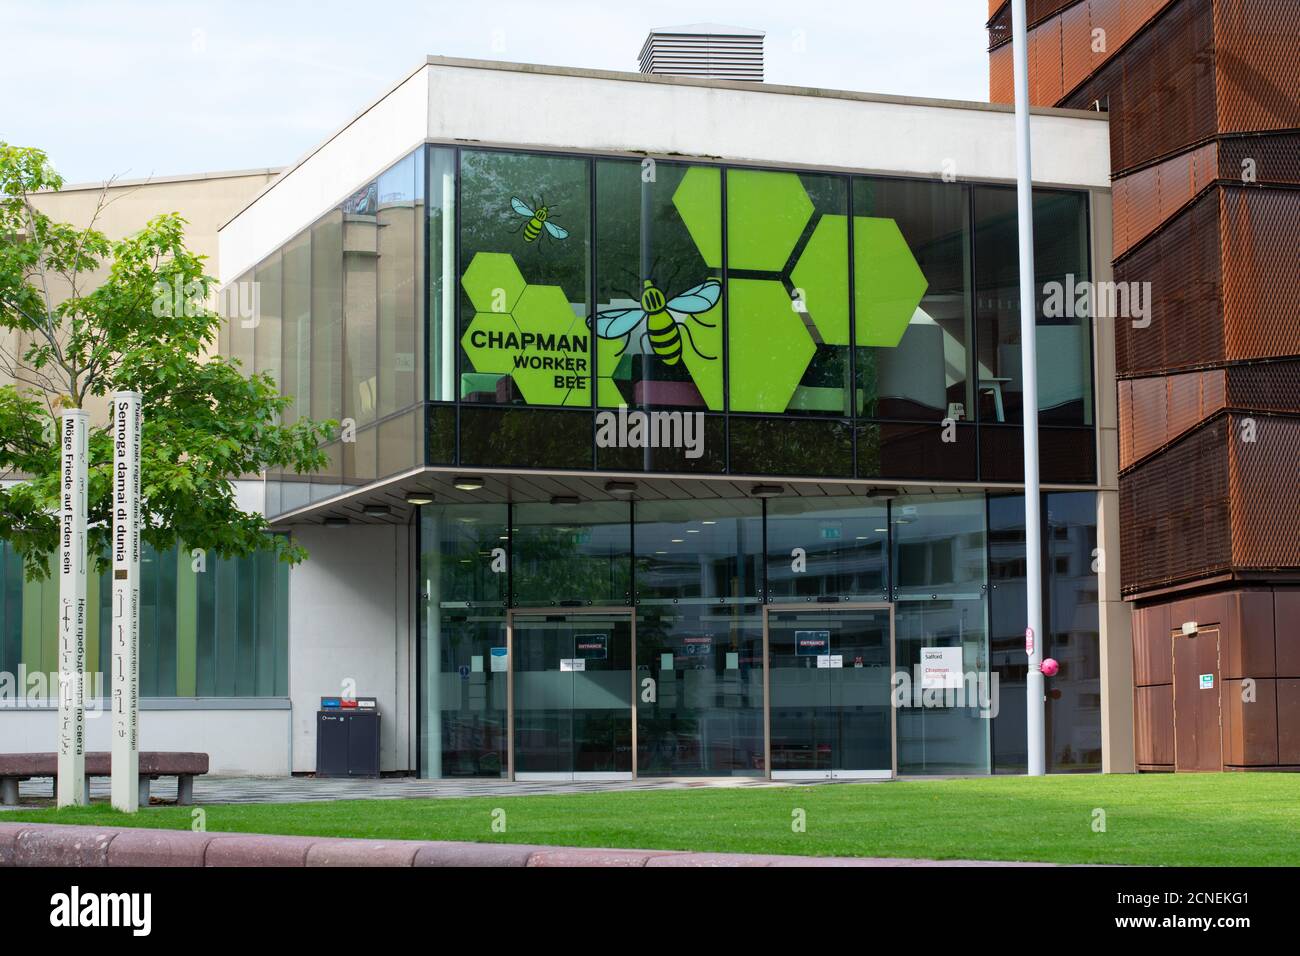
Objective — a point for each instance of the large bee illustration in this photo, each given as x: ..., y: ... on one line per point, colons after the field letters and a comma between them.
x: 664, y: 329
x: 537, y: 218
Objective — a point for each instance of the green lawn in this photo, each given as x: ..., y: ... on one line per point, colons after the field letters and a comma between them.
x: 1209, y: 819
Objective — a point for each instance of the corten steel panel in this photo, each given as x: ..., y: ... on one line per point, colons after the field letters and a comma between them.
x: 1124, y: 407
x: 1286, y: 617
x: 1174, y: 517
x: 1264, y: 386
x: 1149, y: 422
x: 1246, y: 645
x: 1198, y: 738
x: 1153, y: 725
x: 1288, y: 722
x: 1261, y: 269
x: 1275, y: 158
x: 1001, y: 80
x: 1160, y: 86
x: 1152, y: 660
x: 1263, y: 472
x: 1182, y: 264
x: 1249, y: 723
x: 1257, y: 69
x: 1045, y: 63
x: 1078, y: 58
x: 1213, y: 391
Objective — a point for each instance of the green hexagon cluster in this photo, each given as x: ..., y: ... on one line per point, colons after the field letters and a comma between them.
x: 888, y: 285
x: 770, y: 346
x: 822, y: 276
x: 529, y: 332
x: 766, y: 215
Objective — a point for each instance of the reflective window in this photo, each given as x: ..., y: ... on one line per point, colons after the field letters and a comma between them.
x: 705, y: 715
x: 827, y: 548
x: 525, y: 275
x: 295, y: 336
x: 1064, y: 335
x: 399, y: 223
x: 788, y: 306
x: 659, y: 302
x: 462, y: 639
x: 939, y: 584
x: 911, y: 264
x: 698, y: 552
x: 215, y: 630
x: 571, y: 555
x: 442, y: 294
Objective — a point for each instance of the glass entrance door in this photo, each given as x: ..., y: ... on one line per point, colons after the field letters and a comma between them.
x: 571, y: 695
x: 829, y: 692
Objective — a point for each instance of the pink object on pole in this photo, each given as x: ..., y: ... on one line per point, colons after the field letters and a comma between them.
x: 1049, y: 667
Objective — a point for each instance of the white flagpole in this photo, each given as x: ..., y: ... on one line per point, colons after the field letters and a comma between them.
x: 72, y: 609
x: 126, y: 601
x: 1029, y: 378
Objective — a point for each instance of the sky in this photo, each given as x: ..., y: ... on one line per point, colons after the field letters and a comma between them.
x: 141, y: 89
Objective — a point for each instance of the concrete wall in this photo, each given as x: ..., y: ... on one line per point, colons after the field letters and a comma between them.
x: 1114, y: 614
x: 350, y: 608
x: 239, y: 737
x: 478, y: 102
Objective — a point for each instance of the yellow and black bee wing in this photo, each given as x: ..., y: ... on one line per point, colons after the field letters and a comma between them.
x: 616, y: 323
x: 699, y: 298
x: 521, y: 207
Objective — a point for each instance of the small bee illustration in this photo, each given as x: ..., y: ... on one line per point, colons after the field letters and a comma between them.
x: 663, y: 329
x: 537, y: 218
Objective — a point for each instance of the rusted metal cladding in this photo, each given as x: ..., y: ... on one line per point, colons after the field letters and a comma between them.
x: 1261, y: 272
x: 1002, y: 88
x: 1174, y: 512
x: 1156, y: 411
x: 1264, y: 476
x: 1257, y: 65
x: 1265, y: 158
x: 1068, y: 41
x: 1182, y: 264
x: 1265, y: 387
x: 1146, y: 199
x: 1161, y: 87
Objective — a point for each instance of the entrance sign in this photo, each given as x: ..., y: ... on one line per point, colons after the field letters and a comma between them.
x: 72, y: 609
x: 592, y: 646
x: 811, y: 643
x: 126, y: 601
x: 941, y: 668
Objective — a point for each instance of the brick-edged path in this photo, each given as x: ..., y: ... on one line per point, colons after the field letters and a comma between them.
x: 51, y: 844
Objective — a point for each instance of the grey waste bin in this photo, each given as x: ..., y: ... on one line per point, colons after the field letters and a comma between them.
x: 347, y: 738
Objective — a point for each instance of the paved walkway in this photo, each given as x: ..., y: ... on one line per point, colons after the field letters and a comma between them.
x: 212, y: 790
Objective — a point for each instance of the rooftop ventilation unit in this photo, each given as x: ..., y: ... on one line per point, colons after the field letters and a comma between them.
x: 705, y: 51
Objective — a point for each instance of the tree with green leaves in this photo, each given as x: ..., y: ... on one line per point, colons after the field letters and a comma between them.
x: 82, y: 316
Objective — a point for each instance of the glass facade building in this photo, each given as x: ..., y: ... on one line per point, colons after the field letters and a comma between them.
x: 689, y: 467
x: 844, y: 326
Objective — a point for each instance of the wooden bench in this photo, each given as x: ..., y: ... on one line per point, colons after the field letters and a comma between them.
x: 153, y: 764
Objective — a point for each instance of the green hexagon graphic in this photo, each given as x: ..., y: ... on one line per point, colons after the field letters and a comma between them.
x: 770, y: 346
x: 483, y: 329
x: 822, y: 273
x: 493, y: 282
x: 706, y: 373
x: 698, y: 199
x: 556, y: 369
x: 613, y: 367
x: 888, y: 283
x: 766, y: 214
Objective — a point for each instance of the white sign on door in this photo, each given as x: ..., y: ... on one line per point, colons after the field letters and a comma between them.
x: 941, y: 668
x: 572, y: 664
